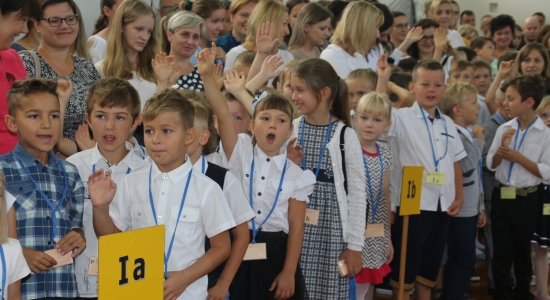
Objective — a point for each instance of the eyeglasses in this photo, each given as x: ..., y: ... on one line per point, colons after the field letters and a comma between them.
x: 544, y: 116
x: 402, y: 26
x: 426, y: 38
x: 56, y: 21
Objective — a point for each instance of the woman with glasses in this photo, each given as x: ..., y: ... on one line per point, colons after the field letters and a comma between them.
x: 14, y: 16
x: 432, y: 44
x: 59, y: 26
x: 399, y: 29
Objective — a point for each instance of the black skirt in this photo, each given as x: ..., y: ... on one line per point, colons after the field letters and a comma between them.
x: 542, y: 231
x: 255, y: 277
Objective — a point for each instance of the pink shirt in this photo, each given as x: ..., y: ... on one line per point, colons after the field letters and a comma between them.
x: 11, y: 69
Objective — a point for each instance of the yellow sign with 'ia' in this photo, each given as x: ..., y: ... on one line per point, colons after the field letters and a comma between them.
x: 411, y: 190
x: 131, y: 264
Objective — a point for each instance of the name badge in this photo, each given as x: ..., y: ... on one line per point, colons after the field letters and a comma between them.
x: 436, y: 178
x: 255, y: 252
x: 312, y: 217
x: 93, y: 266
x: 374, y: 230
x: 61, y: 260
x: 507, y: 192
x: 546, y: 210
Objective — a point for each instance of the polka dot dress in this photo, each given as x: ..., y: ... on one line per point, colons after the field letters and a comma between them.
x: 191, y: 81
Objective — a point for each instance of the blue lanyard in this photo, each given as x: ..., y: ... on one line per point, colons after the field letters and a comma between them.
x: 48, y: 201
x: 3, y: 270
x: 519, y: 147
x: 372, y: 202
x: 203, y: 163
x: 254, y: 230
x: 499, y: 118
x: 127, y: 171
x: 436, y: 161
x: 329, y: 129
x: 167, y: 255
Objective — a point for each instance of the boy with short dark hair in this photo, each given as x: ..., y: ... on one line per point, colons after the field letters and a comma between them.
x: 520, y: 157
x: 434, y: 139
x: 169, y: 192
x: 49, y: 193
x: 112, y: 112
x: 461, y: 71
x: 482, y: 82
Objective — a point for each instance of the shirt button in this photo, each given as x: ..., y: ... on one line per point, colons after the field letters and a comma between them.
x: 259, y: 194
x: 44, y: 170
x: 259, y: 212
x: 247, y: 175
x: 268, y: 159
x: 263, y: 177
x: 160, y: 218
x: 163, y: 193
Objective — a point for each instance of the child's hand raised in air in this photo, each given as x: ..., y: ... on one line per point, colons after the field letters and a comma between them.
x: 83, y: 139
x: 205, y: 61
x: 264, y: 38
x: 270, y: 66
x: 64, y: 90
x: 505, y: 69
x: 383, y: 68
x: 164, y: 66
x: 234, y: 82
x: 101, y: 188
x: 294, y: 152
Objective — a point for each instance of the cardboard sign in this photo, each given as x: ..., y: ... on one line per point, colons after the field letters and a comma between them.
x: 411, y: 190
x: 132, y: 264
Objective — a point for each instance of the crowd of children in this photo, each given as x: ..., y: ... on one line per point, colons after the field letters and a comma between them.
x: 280, y: 177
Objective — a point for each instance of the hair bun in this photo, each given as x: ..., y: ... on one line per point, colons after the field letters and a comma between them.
x: 186, y: 5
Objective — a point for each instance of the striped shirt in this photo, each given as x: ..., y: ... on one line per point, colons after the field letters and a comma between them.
x: 34, y: 216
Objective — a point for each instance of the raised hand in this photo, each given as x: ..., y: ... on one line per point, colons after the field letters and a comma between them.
x: 264, y: 38
x: 163, y: 66
x: 64, y: 90
x: 440, y: 38
x: 505, y: 68
x: 414, y: 35
x: 205, y: 61
x: 294, y: 152
x: 83, y: 139
x: 101, y: 188
x: 220, y: 54
x: 234, y: 82
x: 270, y: 66
x: 507, y: 137
x: 382, y: 67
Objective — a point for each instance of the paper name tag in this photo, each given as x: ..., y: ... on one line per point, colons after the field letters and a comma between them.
x: 312, y: 217
x: 436, y: 178
x: 374, y: 230
x: 507, y: 192
x: 255, y: 252
x: 546, y: 210
x: 93, y: 266
x: 342, y: 268
x: 62, y: 260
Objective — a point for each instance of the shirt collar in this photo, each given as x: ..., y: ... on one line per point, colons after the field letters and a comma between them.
x: 467, y: 133
x: 136, y: 147
x: 418, y: 109
x: 175, y: 175
x: 28, y: 159
x: 131, y: 160
x: 197, y: 166
x: 279, y: 160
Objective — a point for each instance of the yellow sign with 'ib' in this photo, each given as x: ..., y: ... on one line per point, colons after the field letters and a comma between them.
x: 131, y: 264
x: 411, y: 190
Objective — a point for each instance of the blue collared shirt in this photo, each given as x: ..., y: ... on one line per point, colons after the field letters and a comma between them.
x: 34, y: 222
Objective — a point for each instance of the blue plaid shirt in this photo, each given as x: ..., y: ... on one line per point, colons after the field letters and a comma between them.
x: 34, y: 222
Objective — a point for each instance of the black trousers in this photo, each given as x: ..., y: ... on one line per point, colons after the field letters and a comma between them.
x: 514, y: 222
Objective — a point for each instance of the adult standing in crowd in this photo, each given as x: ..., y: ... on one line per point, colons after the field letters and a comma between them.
x: 486, y: 25
x: 531, y: 32
x: 502, y: 32
x: 468, y: 17
x: 166, y: 5
x: 399, y: 29
x: 13, y: 21
x: 59, y: 26
x: 239, y: 12
x: 442, y: 12
x: 541, y: 17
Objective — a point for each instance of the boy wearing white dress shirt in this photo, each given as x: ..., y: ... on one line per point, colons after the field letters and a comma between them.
x: 169, y: 192
x: 422, y: 136
x: 520, y: 157
x: 112, y: 112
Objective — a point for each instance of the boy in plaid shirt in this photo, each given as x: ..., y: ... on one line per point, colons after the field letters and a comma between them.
x: 49, y: 193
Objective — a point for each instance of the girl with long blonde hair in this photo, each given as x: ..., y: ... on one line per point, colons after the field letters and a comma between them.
x: 311, y: 31
x: 441, y: 11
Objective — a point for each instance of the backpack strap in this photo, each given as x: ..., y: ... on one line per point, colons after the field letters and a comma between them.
x: 36, y: 60
x: 216, y: 173
x: 343, y: 154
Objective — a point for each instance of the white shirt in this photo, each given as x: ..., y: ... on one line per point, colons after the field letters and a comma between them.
x: 373, y: 55
x: 536, y: 147
x: 215, y: 158
x: 146, y: 89
x: 342, y: 62
x: 205, y: 213
x: 234, y: 193
x: 10, y: 200
x: 84, y: 162
x: 484, y: 115
x: 233, y: 53
x: 297, y: 183
x: 140, y: 151
x: 455, y: 39
x: 16, y: 265
x: 411, y: 147
x: 99, y: 46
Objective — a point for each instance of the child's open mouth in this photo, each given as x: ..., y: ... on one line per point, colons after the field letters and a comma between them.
x: 270, y: 138
x: 45, y: 138
x: 109, y: 138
